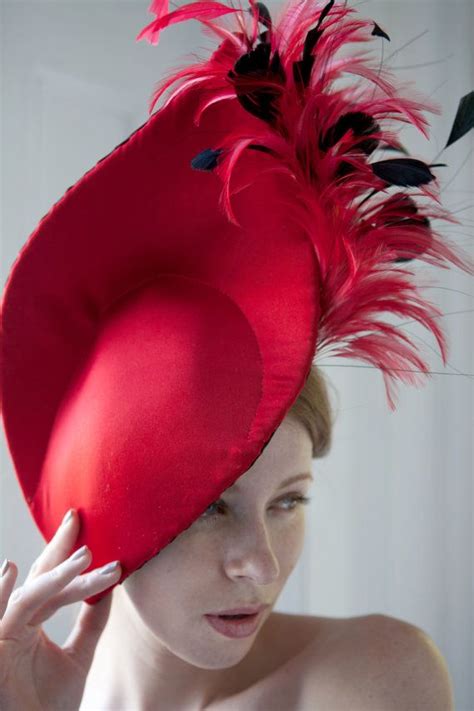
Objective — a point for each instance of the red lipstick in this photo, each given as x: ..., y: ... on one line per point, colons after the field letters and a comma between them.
x: 235, y: 628
x: 249, y: 610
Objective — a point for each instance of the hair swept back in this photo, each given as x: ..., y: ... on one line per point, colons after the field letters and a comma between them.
x: 313, y: 409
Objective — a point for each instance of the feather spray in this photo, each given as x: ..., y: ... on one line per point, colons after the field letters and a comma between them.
x: 367, y: 218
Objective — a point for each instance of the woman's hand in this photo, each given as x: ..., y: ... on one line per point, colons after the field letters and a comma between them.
x: 35, y: 673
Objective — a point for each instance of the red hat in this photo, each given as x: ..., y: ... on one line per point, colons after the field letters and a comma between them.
x: 163, y: 317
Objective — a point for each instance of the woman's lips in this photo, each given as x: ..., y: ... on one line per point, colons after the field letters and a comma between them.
x: 249, y: 610
x: 235, y: 628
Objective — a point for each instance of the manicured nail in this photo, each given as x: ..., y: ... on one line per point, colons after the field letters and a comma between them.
x: 4, y: 568
x: 79, y: 553
x: 110, y: 568
x: 67, y: 517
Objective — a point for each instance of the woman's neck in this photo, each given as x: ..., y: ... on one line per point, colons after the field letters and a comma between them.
x: 133, y: 670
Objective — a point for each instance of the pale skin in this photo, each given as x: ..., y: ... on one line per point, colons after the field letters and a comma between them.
x: 35, y: 673
x: 149, y: 641
x: 244, y: 557
x: 157, y: 644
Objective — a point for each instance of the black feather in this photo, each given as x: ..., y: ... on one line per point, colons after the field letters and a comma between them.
x: 464, y: 119
x: 360, y: 123
x: 276, y: 68
x: 262, y: 101
x: 325, y: 11
x: 263, y: 149
x: 404, y: 204
x: 206, y: 160
x: 398, y: 149
x: 378, y: 32
x: 411, y: 216
x: 310, y: 41
x: 254, y: 62
x: 263, y: 14
x: 343, y: 169
x: 403, y: 171
x: 302, y: 70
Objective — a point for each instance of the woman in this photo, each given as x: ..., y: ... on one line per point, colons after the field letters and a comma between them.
x: 139, y: 290
x: 149, y: 645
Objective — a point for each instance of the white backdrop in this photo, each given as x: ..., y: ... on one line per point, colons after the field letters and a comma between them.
x: 390, y: 525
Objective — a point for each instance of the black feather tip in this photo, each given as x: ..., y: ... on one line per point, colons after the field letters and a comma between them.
x: 403, y: 171
x: 464, y: 119
x: 206, y: 160
x: 263, y: 14
x: 302, y: 68
x: 360, y: 123
x: 378, y: 32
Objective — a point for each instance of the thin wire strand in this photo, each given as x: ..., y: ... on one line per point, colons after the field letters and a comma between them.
x: 458, y: 170
x: 379, y: 71
x: 448, y: 364
x: 407, y: 44
x: 447, y: 288
x: 468, y: 207
x: 420, y: 66
x: 437, y: 88
x: 447, y: 313
x: 458, y: 372
x: 397, y: 370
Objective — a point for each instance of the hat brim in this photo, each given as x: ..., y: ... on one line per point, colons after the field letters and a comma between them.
x: 139, y: 215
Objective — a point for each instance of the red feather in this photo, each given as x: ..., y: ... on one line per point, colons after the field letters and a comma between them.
x: 159, y: 8
x: 359, y: 230
x: 194, y: 11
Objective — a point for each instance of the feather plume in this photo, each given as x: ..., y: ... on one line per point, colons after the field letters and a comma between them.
x: 324, y: 138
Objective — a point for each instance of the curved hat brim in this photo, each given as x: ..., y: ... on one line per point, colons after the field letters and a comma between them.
x: 139, y: 215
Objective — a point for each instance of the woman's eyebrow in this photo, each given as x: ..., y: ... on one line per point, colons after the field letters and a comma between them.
x: 291, y: 480
x: 297, y: 477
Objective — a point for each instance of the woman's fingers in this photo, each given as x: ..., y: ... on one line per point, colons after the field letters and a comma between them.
x: 53, y: 581
x: 58, y: 548
x: 7, y: 583
x: 30, y: 597
x: 81, y: 587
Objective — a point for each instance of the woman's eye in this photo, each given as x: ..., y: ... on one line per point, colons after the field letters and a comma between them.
x: 297, y: 499
x: 293, y: 499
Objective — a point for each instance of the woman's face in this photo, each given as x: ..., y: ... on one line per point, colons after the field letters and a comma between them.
x: 241, y: 551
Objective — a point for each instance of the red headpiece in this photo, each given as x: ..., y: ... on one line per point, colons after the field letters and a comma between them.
x: 164, y: 315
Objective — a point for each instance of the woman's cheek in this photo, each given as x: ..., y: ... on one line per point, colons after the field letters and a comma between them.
x: 291, y: 540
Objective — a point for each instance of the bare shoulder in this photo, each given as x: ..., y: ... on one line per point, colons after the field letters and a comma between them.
x: 375, y: 663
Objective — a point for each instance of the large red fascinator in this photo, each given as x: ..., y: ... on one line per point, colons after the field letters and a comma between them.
x: 163, y: 317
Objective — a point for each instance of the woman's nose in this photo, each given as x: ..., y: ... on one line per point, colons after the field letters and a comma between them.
x: 250, y: 553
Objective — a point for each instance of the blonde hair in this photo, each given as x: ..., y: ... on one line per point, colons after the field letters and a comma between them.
x: 313, y: 409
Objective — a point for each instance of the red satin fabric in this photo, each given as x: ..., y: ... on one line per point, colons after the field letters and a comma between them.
x: 150, y: 348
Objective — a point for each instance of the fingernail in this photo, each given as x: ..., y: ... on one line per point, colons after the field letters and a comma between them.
x: 4, y: 568
x: 79, y: 553
x: 110, y: 568
x: 67, y: 517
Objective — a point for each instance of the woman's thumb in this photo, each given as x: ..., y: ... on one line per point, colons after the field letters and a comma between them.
x: 89, y: 625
